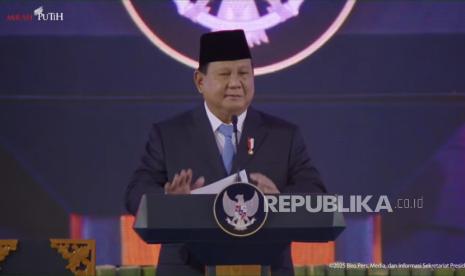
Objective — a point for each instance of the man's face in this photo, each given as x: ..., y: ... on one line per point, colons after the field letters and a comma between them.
x: 227, y: 87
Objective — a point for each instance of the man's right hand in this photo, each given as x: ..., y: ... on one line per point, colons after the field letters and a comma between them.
x: 182, y: 183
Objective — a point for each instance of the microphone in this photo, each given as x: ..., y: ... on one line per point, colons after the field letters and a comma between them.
x: 234, y: 123
x: 236, y: 143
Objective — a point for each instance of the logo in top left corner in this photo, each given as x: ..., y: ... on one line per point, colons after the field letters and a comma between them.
x: 42, y: 15
x: 39, y: 14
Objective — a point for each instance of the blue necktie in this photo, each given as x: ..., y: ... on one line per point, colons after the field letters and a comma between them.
x: 228, y: 150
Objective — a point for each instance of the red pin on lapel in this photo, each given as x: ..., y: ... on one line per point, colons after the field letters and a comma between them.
x: 250, y: 145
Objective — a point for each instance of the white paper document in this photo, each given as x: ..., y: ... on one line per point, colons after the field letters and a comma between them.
x: 219, y: 185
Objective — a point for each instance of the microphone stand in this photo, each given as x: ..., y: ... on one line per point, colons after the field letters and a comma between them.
x: 236, y: 143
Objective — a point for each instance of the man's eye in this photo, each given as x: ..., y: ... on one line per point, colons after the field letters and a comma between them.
x: 243, y: 73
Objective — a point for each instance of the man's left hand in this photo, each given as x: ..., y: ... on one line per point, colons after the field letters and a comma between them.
x: 265, y: 184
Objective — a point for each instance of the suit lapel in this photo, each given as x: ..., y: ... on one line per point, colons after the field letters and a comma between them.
x: 207, y: 149
x: 203, y: 136
x: 255, y: 128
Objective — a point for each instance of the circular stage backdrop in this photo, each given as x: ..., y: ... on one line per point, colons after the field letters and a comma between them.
x: 280, y: 33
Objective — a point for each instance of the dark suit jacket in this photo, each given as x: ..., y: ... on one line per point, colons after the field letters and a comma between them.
x: 187, y: 141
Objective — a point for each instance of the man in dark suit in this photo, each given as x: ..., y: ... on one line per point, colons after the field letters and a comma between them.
x: 197, y: 147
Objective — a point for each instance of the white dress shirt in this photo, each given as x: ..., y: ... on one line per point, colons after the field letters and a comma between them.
x: 215, y: 124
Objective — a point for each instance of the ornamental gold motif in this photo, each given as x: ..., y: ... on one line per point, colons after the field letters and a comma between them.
x: 80, y: 255
x: 6, y: 246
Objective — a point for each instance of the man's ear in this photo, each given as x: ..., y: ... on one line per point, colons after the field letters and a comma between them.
x: 198, y: 80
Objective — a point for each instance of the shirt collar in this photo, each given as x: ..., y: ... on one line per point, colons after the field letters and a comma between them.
x: 215, y: 122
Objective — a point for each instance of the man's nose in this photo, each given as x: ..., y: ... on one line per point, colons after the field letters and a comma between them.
x: 234, y: 82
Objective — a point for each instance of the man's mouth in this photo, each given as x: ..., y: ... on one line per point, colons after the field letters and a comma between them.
x: 233, y: 96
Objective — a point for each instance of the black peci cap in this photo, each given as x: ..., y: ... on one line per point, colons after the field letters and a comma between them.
x: 223, y: 45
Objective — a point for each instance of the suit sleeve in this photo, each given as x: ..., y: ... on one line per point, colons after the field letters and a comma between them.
x: 303, y: 177
x: 150, y: 176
